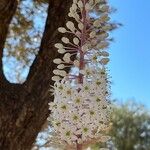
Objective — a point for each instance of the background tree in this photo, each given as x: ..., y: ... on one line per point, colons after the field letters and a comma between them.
x: 130, y: 129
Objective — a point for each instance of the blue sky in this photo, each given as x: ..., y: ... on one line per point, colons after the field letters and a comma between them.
x: 130, y: 53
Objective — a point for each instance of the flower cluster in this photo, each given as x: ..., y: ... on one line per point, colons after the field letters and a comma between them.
x: 81, y: 108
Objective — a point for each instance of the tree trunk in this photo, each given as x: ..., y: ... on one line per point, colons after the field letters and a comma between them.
x: 24, y: 108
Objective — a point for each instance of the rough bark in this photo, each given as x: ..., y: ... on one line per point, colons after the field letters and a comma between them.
x: 24, y: 108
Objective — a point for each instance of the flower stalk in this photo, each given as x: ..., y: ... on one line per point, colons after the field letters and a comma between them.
x: 81, y: 109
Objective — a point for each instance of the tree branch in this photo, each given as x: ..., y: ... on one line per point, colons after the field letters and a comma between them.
x: 42, y: 68
x: 24, y: 108
x: 7, y: 10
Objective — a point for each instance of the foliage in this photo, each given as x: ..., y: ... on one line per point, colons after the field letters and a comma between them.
x: 24, y: 38
x: 131, y: 127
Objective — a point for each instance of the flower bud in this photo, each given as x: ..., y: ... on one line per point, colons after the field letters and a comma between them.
x: 62, y: 73
x: 92, y: 34
x: 104, y: 53
x: 56, y: 72
x: 61, y: 51
x: 76, y: 63
x: 70, y: 25
x: 80, y: 26
x: 65, y: 40
x: 59, y: 45
x: 102, y: 45
x: 76, y: 41
x: 104, y: 61
x: 56, y: 78
x: 97, y: 23
x: 66, y: 57
x: 74, y: 7
x: 85, y: 48
x: 104, y: 8
x: 62, y: 30
x: 57, y: 61
x: 61, y: 66
x: 80, y: 4
x: 87, y: 7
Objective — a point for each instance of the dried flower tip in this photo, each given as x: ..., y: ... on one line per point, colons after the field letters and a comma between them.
x: 57, y: 61
x: 62, y: 30
x: 65, y: 40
